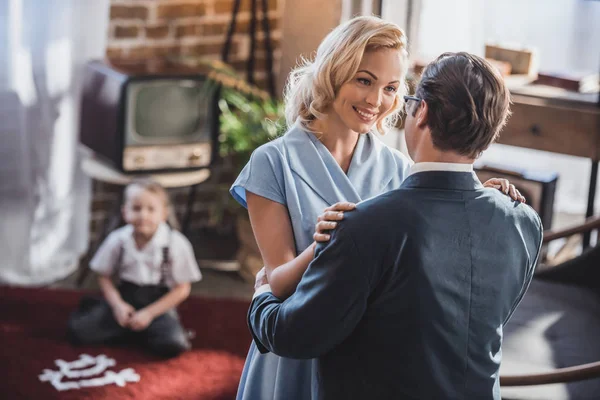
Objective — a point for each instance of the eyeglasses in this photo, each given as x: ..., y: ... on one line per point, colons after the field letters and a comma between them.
x: 413, y: 98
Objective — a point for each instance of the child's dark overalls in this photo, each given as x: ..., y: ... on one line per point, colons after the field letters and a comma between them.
x: 93, y: 322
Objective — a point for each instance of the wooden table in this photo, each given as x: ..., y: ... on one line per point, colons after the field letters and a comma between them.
x: 558, y: 121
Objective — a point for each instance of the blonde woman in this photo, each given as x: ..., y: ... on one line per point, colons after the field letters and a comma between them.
x: 329, y: 159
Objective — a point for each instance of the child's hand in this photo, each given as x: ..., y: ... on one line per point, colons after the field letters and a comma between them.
x: 327, y: 220
x: 140, y: 320
x: 123, y: 313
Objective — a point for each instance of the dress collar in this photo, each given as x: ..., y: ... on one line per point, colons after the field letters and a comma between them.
x: 312, y: 161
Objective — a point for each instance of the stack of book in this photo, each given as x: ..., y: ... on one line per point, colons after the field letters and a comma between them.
x: 581, y: 82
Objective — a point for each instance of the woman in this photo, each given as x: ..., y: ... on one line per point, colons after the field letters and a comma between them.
x: 328, y: 157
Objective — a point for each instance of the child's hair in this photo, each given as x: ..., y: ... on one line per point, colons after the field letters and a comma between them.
x: 312, y: 86
x: 156, y: 188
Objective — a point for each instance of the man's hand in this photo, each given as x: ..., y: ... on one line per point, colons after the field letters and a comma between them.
x: 140, y: 320
x: 261, y: 278
x: 123, y: 312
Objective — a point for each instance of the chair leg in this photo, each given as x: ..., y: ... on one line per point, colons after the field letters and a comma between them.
x: 583, y: 270
x: 591, y: 197
x: 112, y: 223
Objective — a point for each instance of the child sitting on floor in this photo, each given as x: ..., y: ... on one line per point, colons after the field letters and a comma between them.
x: 155, y: 264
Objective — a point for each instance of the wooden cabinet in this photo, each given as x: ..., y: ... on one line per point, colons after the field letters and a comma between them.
x: 551, y: 119
x: 555, y: 125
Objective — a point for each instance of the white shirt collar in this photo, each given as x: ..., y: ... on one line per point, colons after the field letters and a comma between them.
x: 440, y: 166
x: 159, y: 239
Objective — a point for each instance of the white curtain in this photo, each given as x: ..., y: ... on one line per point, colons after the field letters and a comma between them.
x: 352, y: 8
x: 44, y: 195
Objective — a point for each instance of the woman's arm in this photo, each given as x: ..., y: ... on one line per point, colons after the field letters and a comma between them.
x: 275, y: 239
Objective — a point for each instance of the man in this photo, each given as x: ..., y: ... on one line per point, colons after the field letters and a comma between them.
x: 409, y: 298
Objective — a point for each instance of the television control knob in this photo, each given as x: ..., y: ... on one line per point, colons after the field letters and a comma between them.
x: 196, y: 155
x: 139, y: 159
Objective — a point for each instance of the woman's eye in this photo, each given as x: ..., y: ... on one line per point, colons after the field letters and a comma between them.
x: 364, y: 81
x: 391, y: 89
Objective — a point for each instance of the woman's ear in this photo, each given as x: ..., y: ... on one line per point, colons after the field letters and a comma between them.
x: 422, y: 113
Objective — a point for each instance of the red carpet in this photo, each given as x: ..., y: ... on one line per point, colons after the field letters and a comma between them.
x: 32, y: 336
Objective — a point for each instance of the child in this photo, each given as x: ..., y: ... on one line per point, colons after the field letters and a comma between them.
x: 155, y: 264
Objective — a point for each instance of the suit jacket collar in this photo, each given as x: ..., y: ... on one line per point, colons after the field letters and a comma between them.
x: 310, y: 159
x: 445, y: 180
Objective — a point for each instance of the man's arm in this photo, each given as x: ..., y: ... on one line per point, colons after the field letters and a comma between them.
x: 537, y: 243
x: 326, y: 307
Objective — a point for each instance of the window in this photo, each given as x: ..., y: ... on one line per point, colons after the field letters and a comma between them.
x: 565, y: 33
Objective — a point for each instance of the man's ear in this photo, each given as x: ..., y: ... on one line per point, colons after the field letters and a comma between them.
x: 422, y: 113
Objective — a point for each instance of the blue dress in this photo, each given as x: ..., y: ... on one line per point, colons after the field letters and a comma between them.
x: 299, y: 172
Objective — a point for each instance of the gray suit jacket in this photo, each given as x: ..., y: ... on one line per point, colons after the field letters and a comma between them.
x: 409, y: 298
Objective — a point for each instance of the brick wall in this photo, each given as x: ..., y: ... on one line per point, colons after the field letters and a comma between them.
x: 149, y: 29
x: 142, y: 30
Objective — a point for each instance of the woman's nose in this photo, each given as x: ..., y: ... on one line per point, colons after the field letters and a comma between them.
x: 374, y: 98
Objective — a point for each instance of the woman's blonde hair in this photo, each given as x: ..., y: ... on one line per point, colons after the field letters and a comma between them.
x: 313, y: 86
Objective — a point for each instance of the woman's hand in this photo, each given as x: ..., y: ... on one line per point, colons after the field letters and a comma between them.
x: 505, y: 187
x: 328, y: 220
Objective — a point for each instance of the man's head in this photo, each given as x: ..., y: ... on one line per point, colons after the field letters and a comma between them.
x: 460, y: 106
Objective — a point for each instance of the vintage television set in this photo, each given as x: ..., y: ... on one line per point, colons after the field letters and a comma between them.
x: 148, y: 122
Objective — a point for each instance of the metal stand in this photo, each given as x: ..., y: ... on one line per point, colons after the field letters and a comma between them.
x: 249, y: 67
x: 591, y: 198
x: 252, y: 31
x: 592, y: 192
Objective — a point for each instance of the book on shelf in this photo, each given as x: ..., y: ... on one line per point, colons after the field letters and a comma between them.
x: 575, y: 81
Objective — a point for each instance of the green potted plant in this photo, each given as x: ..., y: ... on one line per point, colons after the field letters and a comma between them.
x: 249, y: 118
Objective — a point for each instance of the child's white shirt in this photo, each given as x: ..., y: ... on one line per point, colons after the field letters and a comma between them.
x: 143, y: 266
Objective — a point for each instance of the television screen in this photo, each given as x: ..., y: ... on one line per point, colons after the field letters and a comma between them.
x: 141, y: 122
x: 165, y: 111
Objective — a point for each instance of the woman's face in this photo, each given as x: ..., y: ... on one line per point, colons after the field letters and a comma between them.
x: 369, y: 95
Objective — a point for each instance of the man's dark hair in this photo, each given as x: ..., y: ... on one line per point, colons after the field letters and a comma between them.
x: 468, y: 102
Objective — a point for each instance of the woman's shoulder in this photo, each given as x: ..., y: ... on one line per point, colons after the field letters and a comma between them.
x: 273, y: 147
x: 279, y: 147
x: 269, y: 155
